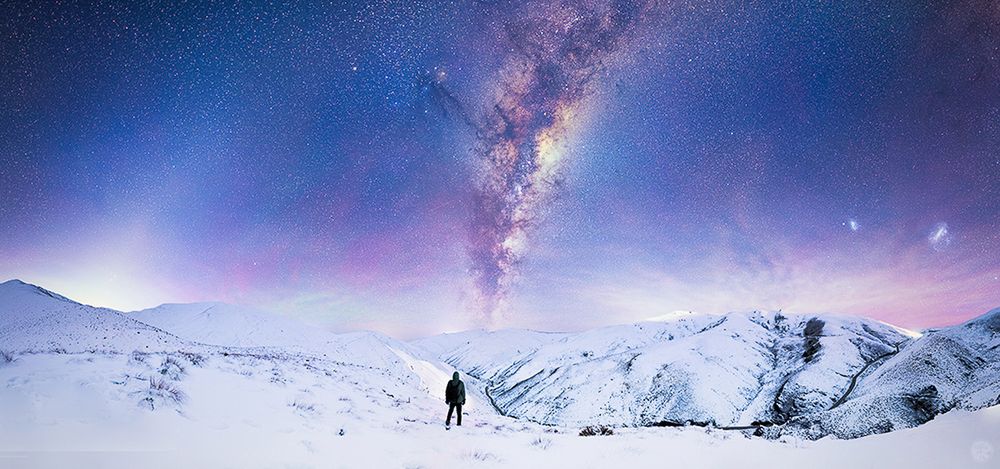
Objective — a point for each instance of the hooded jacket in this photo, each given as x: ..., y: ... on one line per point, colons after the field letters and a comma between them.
x: 454, y: 393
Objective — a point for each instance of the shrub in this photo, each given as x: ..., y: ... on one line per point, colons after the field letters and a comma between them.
x: 480, y: 455
x: 6, y: 357
x: 596, y: 430
x: 172, y: 369
x: 137, y: 357
x: 167, y: 388
x: 161, y: 391
x: 196, y: 359
x: 277, y: 377
x: 304, y: 408
x: 541, y: 443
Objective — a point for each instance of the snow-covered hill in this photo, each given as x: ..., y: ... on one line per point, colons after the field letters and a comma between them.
x: 228, y: 325
x: 953, y: 367
x: 91, y: 411
x: 804, y: 375
x: 33, y: 319
x: 483, y: 353
x: 779, y: 375
x: 371, y: 367
x: 239, y: 326
x: 224, y: 324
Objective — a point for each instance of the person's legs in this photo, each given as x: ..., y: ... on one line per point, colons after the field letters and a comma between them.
x: 459, y: 409
x: 451, y: 407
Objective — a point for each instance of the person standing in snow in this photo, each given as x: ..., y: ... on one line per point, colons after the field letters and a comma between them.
x: 454, y: 396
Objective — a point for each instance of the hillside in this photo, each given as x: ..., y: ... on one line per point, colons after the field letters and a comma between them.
x: 768, y: 374
x: 789, y: 374
x: 37, y: 320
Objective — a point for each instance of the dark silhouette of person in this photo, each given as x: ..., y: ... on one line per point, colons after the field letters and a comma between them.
x: 454, y: 396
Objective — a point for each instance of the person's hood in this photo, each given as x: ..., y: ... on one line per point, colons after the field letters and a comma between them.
x: 454, y: 376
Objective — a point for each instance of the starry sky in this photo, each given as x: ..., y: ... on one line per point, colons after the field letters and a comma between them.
x: 416, y: 166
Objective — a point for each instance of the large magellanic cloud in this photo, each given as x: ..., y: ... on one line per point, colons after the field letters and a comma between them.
x: 557, y: 49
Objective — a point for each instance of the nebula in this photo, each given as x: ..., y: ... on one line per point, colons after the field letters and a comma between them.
x: 556, y: 51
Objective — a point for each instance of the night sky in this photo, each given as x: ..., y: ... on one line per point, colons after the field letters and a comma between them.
x: 420, y: 166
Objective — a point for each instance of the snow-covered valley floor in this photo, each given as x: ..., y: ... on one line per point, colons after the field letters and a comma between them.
x: 91, y: 410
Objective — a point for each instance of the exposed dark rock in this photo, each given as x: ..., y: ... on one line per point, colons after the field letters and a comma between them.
x: 596, y: 430
x: 812, y: 333
x: 926, y: 404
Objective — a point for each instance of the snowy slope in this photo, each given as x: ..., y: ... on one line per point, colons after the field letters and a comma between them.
x: 90, y: 387
x: 238, y: 326
x: 35, y: 319
x: 224, y: 324
x: 954, y: 367
x: 735, y: 369
x: 797, y: 376
x: 83, y: 411
x: 808, y: 376
x: 374, y: 353
x: 483, y: 353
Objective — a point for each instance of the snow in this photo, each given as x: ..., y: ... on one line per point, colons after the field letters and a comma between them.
x: 484, y: 352
x: 35, y: 319
x: 214, y: 385
x: 239, y: 326
x: 223, y: 324
x: 722, y: 369
x: 61, y: 410
x: 955, y: 367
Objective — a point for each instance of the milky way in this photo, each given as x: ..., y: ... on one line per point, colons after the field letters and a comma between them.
x: 556, y: 51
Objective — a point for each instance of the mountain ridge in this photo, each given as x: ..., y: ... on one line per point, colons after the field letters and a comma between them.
x: 786, y: 378
x: 776, y: 373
